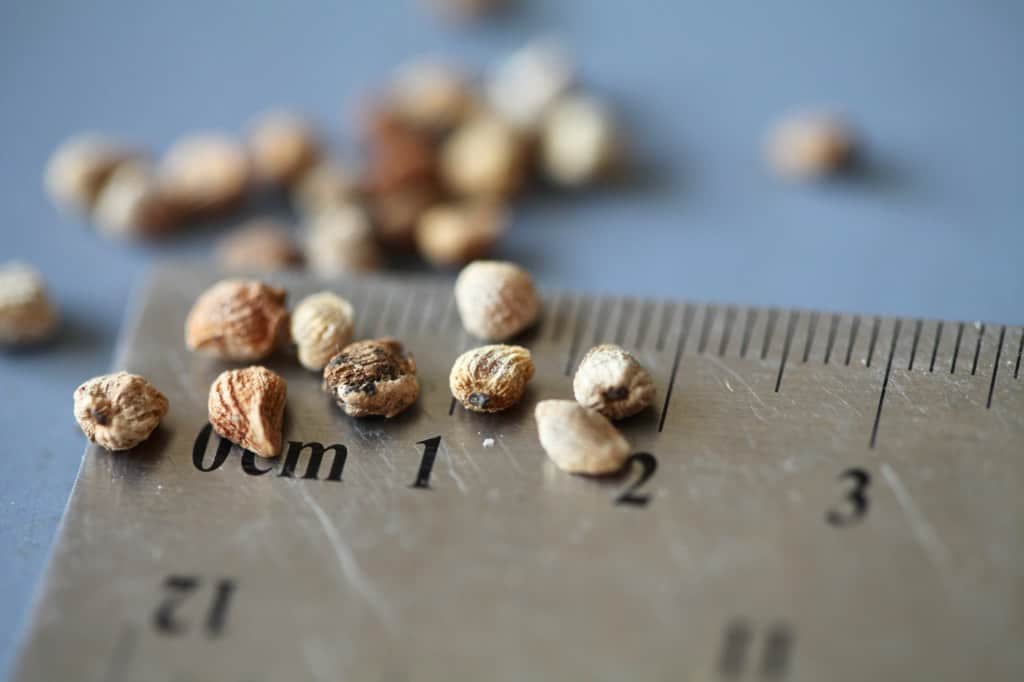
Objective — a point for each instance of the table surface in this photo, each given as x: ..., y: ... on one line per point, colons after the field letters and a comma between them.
x: 930, y: 228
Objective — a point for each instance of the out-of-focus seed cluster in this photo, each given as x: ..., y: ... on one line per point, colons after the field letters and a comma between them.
x: 444, y: 152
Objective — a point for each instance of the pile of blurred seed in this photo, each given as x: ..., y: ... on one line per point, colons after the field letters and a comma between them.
x: 443, y: 157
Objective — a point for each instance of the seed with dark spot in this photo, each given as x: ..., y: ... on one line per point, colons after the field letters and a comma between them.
x: 479, y: 399
x: 100, y: 417
x: 617, y: 393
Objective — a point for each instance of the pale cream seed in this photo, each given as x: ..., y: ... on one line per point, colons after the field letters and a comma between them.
x: 321, y: 327
x: 119, y: 411
x: 579, y: 440
x: 612, y: 381
x: 496, y: 300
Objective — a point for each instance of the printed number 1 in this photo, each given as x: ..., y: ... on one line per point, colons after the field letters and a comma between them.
x: 430, y: 446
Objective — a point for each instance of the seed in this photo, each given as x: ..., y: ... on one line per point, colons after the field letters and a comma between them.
x: 612, y: 381
x: 579, y: 440
x: 321, y: 328
x: 119, y: 411
x: 341, y: 240
x: 483, y: 158
x: 496, y: 299
x: 80, y: 167
x: 237, y: 319
x: 134, y: 204
x: 259, y: 245
x: 455, y: 234
x: 430, y: 96
x: 399, y: 155
x: 528, y: 82
x: 246, y: 406
x: 207, y: 172
x: 375, y: 377
x: 579, y: 142
x: 282, y: 146
x: 491, y: 378
x: 323, y: 187
x: 810, y: 146
x: 396, y: 212
x: 26, y: 313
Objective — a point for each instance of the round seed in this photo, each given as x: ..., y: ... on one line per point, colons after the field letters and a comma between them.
x: 612, y: 381
x: 496, y: 300
x: 491, y: 378
x: 375, y: 377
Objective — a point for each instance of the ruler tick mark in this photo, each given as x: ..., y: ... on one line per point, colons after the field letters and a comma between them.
x: 769, y: 332
x: 913, y: 347
x: 935, y: 348
x: 995, y: 368
x: 874, y: 340
x: 730, y: 319
x: 885, y: 384
x: 645, y: 320
x: 956, y: 347
x: 705, y: 328
x: 748, y: 330
x: 561, y: 315
x: 854, y: 326
x: 683, y: 333
x: 625, y: 314
x: 811, y: 328
x: 577, y: 333
x: 1020, y: 351
x: 451, y: 407
x: 833, y: 328
x: 977, y: 350
x: 790, y: 327
x: 666, y: 316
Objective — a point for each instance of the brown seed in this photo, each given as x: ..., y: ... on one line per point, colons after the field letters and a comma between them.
x: 259, y: 245
x: 398, y: 154
x: 283, y: 146
x: 237, y: 319
x: 397, y: 211
x: 484, y: 158
x: 207, y: 173
x: 134, y: 203
x: 119, y: 411
x: 26, y: 313
x: 321, y: 327
x: 612, y: 381
x: 455, y: 234
x: 491, y: 378
x: 376, y: 377
x: 579, y: 440
x: 496, y: 300
x: 341, y: 240
x: 579, y: 142
x: 246, y: 407
x: 810, y: 146
x: 80, y: 167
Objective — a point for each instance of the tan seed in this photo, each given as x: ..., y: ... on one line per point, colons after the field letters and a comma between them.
x: 237, y: 319
x: 430, y: 95
x: 26, y: 313
x: 396, y: 212
x: 246, y: 406
x: 208, y: 173
x: 323, y: 187
x: 374, y: 377
x: 119, y: 411
x: 134, y: 203
x: 496, y: 300
x: 810, y: 146
x: 341, y: 240
x: 491, y: 378
x: 484, y: 158
x: 579, y: 142
x: 80, y: 167
x: 579, y: 440
x: 455, y: 234
x: 613, y: 382
x: 261, y: 245
x: 282, y: 146
x: 321, y: 327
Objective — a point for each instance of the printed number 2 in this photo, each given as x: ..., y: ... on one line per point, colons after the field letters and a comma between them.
x: 856, y: 499
x: 648, y: 465
x: 178, y: 588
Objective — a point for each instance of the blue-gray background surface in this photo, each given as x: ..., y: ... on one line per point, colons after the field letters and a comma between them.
x: 933, y: 229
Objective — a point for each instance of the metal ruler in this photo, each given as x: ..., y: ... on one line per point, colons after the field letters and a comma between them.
x: 814, y: 497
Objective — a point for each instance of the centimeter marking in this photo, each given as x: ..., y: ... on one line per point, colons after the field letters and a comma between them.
x: 668, y: 327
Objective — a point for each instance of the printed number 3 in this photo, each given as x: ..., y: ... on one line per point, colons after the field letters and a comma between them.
x: 856, y: 499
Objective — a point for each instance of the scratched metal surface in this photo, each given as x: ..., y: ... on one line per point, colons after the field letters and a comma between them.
x: 751, y: 559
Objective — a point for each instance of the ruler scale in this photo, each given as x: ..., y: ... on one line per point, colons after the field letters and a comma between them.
x: 814, y: 496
